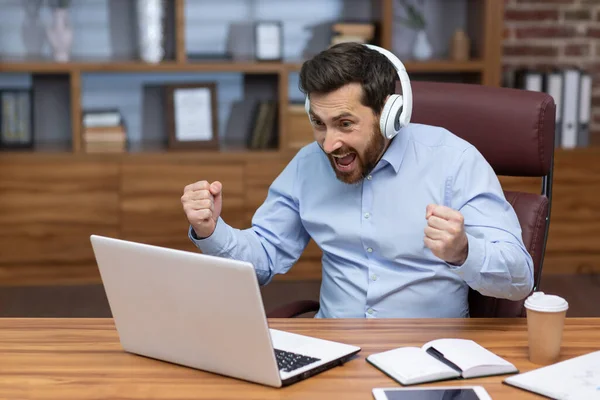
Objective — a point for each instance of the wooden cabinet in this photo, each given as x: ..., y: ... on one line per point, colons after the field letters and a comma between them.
x: 48, y: 208
x: 51, y: 204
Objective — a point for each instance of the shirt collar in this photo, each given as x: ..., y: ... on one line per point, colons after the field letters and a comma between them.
x: 394, y: 154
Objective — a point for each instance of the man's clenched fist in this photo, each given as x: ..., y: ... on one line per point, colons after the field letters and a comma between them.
x: 202, y: 202
x: 445, y: 234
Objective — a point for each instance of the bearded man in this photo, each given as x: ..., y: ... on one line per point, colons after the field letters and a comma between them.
x: 406, y: 222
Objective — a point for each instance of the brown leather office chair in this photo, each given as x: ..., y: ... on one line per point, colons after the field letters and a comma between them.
x: 514, y: 130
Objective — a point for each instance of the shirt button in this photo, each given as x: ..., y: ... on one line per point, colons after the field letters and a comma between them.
x: 367, y: 215
x: 370, y: 311
x: 369, y: 177
x: 374, y: 277
x: 370, y: 250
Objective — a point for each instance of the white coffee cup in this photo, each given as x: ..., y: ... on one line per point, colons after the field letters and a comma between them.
x: 545, y: 322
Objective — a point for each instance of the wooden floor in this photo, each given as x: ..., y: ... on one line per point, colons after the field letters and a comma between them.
x: 581, y: 291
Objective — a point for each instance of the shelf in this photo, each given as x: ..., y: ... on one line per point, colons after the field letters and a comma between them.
x: 152, y: 147
x: 444, y: 66
x: 56, y: 147
x: 441, y: 65
x: 50, y: 67
x: 148, y: 154
x: 256, y: 67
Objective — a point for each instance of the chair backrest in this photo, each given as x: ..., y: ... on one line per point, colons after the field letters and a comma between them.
x: 514, y: 130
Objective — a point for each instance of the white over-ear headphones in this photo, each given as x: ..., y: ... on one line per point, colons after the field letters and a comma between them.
x: 398, y: 107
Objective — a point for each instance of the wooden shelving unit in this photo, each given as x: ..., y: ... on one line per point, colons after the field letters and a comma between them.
x: 485, y: 22
x: 139, y: 67
x: 58, y: 195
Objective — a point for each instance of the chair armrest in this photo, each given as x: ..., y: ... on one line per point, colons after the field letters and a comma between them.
x: 294, y: 309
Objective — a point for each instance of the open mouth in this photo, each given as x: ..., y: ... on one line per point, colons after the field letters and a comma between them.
x: 345, y: 162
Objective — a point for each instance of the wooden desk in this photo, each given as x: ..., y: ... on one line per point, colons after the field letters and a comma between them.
x: 82, y: 359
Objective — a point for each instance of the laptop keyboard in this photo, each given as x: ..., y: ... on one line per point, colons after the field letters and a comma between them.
x: 288, y: 361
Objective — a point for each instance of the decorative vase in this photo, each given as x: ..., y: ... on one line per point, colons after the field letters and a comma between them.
x: 60, y: 34
x: 32, y: 30
x: 422, y: 48
x: 151, y: 30
x: 460, y: 46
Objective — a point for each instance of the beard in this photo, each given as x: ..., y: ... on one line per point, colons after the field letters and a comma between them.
x: 364, y: 162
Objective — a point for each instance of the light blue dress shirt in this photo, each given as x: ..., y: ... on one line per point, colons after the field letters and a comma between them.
x: 375, y: 263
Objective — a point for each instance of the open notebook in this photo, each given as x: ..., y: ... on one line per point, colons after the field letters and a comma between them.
x: 440, y: 360
x: 577, y: 378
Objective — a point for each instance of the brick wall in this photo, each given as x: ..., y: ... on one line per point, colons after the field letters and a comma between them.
x: 543, y: 33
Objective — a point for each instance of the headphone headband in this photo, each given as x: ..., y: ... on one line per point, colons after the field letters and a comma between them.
x: 389, y: 55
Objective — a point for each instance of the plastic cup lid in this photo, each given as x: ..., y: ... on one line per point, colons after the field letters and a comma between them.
x: 539, y: 301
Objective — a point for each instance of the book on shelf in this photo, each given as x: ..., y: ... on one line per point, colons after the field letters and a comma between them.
x: 105, y: 146
x: 439, y: 360
x: 364, y: 29
x: 104, y: 131
x: 105, y: 134
x: 108, y: 147
x: 359, y: 32
x: 240, y: 123
x: 16, y: 118
x: 102, y: 117
x: 264, y: 128
x: 347, y: 38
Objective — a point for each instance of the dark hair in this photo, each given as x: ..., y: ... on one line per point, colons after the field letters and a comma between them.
x: 346, y: 63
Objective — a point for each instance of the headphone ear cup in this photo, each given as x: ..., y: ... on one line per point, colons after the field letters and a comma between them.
x: 389, y: 123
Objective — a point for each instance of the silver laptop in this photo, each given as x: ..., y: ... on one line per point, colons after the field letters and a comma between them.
x: 203, y: 312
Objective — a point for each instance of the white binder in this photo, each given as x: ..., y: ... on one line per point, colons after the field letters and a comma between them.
x: 533, y: 81
x: 585, y: 104
x: 570, y: 116
x: 527, y: 79
x: 554, y: 87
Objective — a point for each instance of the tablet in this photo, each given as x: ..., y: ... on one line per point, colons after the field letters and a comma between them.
x: 432, y: 393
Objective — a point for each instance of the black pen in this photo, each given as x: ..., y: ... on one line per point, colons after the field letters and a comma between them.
x: 439, y: 356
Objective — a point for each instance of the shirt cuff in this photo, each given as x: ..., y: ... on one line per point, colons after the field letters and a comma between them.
x: 214, y: 244
x: 470, y: 270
